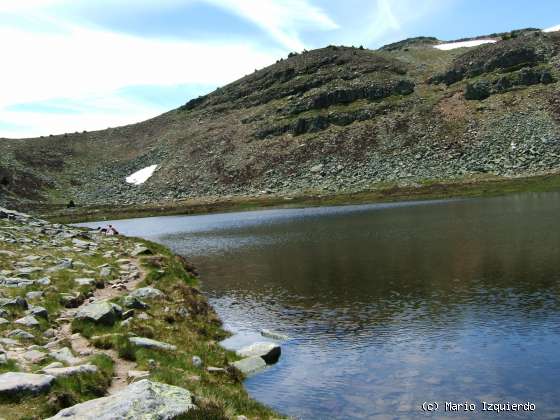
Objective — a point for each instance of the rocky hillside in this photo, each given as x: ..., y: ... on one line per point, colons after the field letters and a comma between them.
x: 104, y: 327
x: 332, y: 120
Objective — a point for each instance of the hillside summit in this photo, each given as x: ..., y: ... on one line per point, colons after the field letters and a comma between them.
x: 327, y: 121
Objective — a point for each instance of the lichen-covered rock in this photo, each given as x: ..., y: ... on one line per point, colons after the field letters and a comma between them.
x: 19, y: 384
x: 249, y: 364
x: 70, y: 371
x: 141, y: 400
x: 28, y: 321
x: 269, y: 352
x: 147, y: 293
x: 151, y: 344
x: 65, y: 355
x: 102, y: 312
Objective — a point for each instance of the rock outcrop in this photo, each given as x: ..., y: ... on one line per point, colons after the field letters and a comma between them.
x: 141, y: 400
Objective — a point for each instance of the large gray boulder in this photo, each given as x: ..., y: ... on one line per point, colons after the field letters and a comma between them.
x: 28, y: 321
x: 144, y: 400
x: 65, y: 355
x: 19, y: 384
x: 147, y: 293
x: 70, y: 371
x: 269, y: 352
x: 151, y: 344
x: 102, y: 312
x: 249, y: 364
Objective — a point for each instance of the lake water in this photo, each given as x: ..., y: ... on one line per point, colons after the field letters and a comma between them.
x: 388, y: 306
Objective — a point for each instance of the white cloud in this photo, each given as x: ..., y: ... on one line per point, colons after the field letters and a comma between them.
x: 90, y: 65
x: 281, y: 19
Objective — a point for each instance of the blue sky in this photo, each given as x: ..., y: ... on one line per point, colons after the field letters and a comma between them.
x: 73, y: 65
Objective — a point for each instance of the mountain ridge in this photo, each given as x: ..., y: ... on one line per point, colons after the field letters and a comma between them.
x: 326, y: 121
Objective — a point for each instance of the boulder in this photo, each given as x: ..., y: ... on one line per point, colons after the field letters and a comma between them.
x: 33, y: 295
x: 84, y: 281
x: 4, y: 321
x: 19, y: 384
x: 102, y: 312
x: 140, y: 400
x: 70, y: 371
x: 105, y: 272
x: 269, y: 352
x: 151, y: 344
x: 65, y: 355
x: 28, y: 321
x: 18, y: 333
x: 17, y: 302
x: 147, y: 293
x: 249, y: 364
x: 134, y: 303
x: 34, y: 356
x: 38, y: 311
x: 141, y: 250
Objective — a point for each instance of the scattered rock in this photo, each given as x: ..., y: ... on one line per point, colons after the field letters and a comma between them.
x: 196, y: 361
x: 147, y: 293
x: 249, y: 365
x: 28, y: 321
x: 84, y: 281
x: 65, y: 355
x: 134, y: 303
x: 140, y: 400
x: 141, y: 250
x: 38, y: 311
x: 19, y: 384
x: 17, y: 333
x: 269, y: 352
x: 70, y: 371
x: 102, y: 312
x: 33, y: 295
x: 151, y: 344
x: 34, y: 356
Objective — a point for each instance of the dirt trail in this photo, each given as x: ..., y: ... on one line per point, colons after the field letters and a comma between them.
x: 81, y: 346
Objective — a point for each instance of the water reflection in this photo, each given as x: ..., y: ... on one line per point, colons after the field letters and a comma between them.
x: 388, y: 306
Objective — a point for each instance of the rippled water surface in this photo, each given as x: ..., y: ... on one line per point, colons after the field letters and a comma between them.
x: 387, y: 306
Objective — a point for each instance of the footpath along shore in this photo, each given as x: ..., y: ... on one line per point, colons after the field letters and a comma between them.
x: 97, y: 326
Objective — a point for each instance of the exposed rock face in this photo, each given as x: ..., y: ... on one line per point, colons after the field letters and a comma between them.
x: 18, y: 384
x: 269, y: 352
x: 102, y: 312
x: 141, y: 400
x: 400, y: 116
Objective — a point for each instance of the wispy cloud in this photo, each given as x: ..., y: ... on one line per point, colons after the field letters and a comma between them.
x: 281, y: 19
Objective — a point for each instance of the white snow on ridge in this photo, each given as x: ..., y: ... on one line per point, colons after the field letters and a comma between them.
x: 553, y: 29
x: 461, y: 44
x: 141, y: 176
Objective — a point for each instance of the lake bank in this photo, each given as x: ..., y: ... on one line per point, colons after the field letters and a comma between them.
x: 387, y: 305
x: 84, y: 315
x: 472, y: 187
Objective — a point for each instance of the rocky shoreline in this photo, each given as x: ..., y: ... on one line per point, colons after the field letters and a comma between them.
x: 96, y: 326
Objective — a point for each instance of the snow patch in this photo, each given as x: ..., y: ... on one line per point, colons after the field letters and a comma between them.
x: 461, y: 44
x: 141, y: 176
x: 552, y: 29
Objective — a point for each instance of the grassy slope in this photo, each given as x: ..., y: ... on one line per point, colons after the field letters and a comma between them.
x: 219, y: 395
